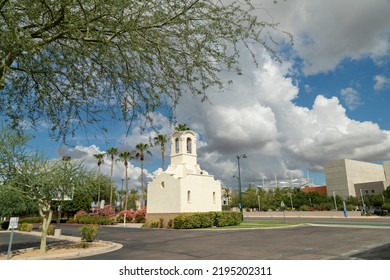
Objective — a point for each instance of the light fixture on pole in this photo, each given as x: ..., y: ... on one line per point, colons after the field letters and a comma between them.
x: 239, y: 183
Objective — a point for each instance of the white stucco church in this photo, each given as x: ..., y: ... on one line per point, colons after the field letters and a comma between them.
x: 183, y: 186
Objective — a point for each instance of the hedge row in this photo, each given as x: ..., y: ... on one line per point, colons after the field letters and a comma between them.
x: 94, y: 219
x: 207, y: 219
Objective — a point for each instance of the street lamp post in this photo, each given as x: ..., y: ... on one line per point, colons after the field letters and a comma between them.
x: 335, y: 203
x: 239, y: 183
x: 66, y: 160
x: 364, y: 206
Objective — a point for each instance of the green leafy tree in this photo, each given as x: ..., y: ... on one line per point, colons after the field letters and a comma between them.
x: 36, y: 179
x: 73, y: 63
x: 142, y: 149
x: 250, y: 199
x: 133, y: 199
x: 227, y: 194
x: 83, y: 197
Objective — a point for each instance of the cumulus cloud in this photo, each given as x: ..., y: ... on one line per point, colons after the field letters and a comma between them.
x: 351, y: 98
x: 327, y: 32
x: 381, y: 82
x: 262, y: 120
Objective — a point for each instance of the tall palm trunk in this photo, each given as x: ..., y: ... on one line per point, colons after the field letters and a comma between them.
x: 162, y: 156
x: 112, y: 181
x: 98, y: 199
x: 127, y: 185
x: 142, y: 182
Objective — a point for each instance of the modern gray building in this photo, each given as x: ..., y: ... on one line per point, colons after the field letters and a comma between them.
x: 348, y: 177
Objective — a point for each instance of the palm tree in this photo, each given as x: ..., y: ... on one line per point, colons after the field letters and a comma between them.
x: 227, y: 193
x: 182, y: 127
x: 112, y: 152
x: 161, y: 139
x: 141, y: 149
x: 134, y: 197
x: 125, y: 157
x: 100, y: 161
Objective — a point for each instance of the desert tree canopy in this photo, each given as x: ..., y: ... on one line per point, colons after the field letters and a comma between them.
x: 71, y: 63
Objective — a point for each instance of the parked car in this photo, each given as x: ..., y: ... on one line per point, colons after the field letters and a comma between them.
x: 381, y: 212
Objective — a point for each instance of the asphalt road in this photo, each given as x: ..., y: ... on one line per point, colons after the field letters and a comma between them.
x: 322, y: 241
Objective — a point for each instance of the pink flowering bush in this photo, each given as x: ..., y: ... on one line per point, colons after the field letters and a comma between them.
x: 139, y: 216
x: 107, y: 211
x: 129, y: 216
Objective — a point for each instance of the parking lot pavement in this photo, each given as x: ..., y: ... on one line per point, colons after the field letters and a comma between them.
x: 290, y: 243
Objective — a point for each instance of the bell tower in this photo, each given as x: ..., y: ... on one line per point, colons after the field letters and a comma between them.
x: 183, y: 149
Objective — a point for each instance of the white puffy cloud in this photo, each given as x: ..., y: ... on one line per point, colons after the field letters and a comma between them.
x: 327, y: 32
x: 262, y: 120
x: 381, y: 82
x: 351, y: 98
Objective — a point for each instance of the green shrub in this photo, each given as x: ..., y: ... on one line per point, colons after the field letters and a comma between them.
x: 223, y: 219
x: 350, y: 207
x: 154, y: 224
x: 51, y: 229
x: 25, y: 227
x: 204, y: 220
x: 89, y: 233
x: 31, y: 220
x: 386, y: 206
x: 194, y: 220
x: 161, y: 223
x: 304, y: 207
x: 94, y: 219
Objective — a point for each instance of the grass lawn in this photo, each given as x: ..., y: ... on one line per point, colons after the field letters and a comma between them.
x: 262, y: 224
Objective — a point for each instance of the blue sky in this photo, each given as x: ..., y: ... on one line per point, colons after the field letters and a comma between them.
x: 328, y: 100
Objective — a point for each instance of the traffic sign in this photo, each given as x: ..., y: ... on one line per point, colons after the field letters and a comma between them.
x: 13, y: 223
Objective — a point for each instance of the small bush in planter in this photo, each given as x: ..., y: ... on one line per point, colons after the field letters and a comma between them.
x: 51, y: 229
x: 89, y: 233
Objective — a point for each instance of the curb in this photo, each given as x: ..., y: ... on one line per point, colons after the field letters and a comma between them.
x: 78, y: 254
x: 72, y: 255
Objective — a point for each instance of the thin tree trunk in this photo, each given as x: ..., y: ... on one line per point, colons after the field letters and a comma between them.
x: 98, y: 200
x: 46, y: 213
x: 142, y: 184
x: 112, y: 183
x: 162, y: 159
x: 127, y: 187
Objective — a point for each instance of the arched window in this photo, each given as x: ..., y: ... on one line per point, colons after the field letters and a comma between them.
x: 188, y: 196
x: 177, y: 145
x: 213, y: 197
x: 189, y: 145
